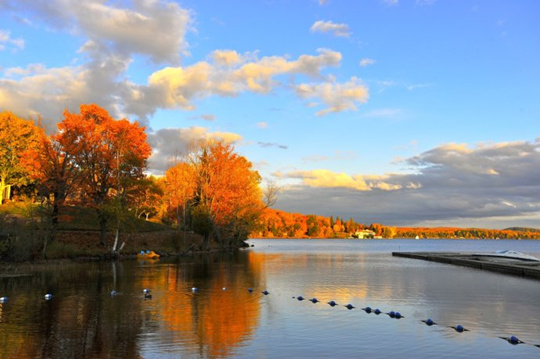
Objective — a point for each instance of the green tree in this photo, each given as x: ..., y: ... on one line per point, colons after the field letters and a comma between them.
x: 313, y: 229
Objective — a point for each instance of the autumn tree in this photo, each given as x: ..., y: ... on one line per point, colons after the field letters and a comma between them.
x: 110, y: 153
x: 180, y: 185
x: 145, y: 197
x: 227, y: 189
x: 16, y: 136
x: 55, y: 172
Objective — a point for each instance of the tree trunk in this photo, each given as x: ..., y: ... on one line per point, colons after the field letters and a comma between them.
x: 2, y: 190
x: 206, y: 242
x: 102, y: 226
x: 54, y: 220
x: 113, y: 250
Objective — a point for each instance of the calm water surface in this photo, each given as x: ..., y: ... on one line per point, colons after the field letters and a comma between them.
x: 224, y: 320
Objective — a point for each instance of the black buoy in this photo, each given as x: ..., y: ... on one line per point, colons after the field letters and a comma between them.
x: 332, y: 303
x: 377, y: 311
x: 265, y: 292
x: 350, y: 306
x: 250, y: 290
x: 392, y: 314
x: 367, y: 309
x: 147, y: 294
x: 300, y: 298
x: 399, y: 316
x: 314, y: 300
x: 429, y: 322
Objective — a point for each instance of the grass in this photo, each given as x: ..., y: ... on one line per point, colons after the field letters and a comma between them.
x: 23, y: 229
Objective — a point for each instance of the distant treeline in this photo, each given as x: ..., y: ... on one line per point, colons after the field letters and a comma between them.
x: 279, y: 224
x: 449, y: 232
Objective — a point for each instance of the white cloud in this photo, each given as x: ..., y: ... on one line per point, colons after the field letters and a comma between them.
x: 341, y: 30
x: 124, y: 31
x: 113, y: 33
x: 7, y: 40
x: 323, y: 178
x: 336, y: 96
x: 226, y: 57
x: 179, y: 87
x: 366, y: 62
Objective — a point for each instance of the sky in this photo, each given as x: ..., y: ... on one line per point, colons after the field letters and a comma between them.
x: 401, y: 112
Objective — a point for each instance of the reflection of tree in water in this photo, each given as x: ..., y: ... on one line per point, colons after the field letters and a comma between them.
x: 83, y: 320
x: 80, y: 321
x: 212, y: 321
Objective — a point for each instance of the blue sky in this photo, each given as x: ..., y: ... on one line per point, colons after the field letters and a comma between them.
x: 405, y: 112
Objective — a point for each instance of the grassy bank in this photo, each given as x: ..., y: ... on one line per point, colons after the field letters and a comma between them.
x: 24, y: 232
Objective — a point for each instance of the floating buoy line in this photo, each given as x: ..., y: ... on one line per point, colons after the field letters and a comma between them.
x: 513, y: 340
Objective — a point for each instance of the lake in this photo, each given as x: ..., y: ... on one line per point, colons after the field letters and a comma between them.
x: 222, y: 319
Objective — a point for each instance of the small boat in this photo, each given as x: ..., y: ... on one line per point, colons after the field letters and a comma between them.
x: 147, y: 255
x: 509, y: 254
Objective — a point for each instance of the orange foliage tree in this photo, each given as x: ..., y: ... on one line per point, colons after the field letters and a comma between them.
x: 180, y: 181
x: 228, y: 189
x: 111, y: 155
x: 16, y: 136
x: 223, y: 190
x: 55, y: 172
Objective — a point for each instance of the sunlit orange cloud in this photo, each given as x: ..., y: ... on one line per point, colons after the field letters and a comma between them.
x: 329, y: 179
x: 230, y: 73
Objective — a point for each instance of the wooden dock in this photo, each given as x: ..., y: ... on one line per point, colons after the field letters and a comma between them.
x: 522, y: 268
